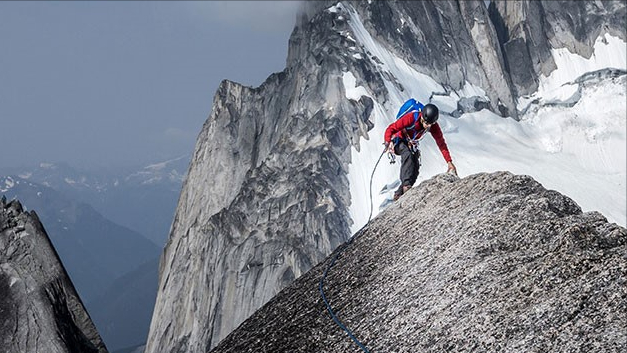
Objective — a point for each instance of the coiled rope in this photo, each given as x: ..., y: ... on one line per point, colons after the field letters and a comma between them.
x: 326, y: 271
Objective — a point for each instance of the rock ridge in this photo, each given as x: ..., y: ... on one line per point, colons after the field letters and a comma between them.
x: 490, y: 262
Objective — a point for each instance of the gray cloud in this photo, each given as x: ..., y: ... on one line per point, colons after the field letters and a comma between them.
x: 270, y: 16
x: 113, y: 82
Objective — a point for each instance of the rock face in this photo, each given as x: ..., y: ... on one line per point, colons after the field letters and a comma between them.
x: 267, y: 195
x: 490, y: 262
x: 450, y: 41
x: 266, y: 198
x: 39, y: 307
x: 528, y: 30
x: 96, y: 253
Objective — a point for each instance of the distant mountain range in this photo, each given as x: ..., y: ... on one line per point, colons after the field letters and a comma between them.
x: 94, y: 249
x: 143, y: 199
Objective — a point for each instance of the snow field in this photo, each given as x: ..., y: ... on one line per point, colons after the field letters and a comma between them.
x: 579, y: 151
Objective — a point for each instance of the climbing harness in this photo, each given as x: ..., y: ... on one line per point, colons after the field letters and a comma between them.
x: 391, y: 157
x: 337, y: 254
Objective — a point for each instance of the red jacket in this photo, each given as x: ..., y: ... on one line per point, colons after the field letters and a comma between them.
x: 402, y: 128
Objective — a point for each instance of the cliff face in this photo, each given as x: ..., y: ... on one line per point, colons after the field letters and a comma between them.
x: 528, y: 30
x: 490, y: 262
x: 266, y: 197
x: 453, y: 42
x: 267, y: 194
x: 39, y: 306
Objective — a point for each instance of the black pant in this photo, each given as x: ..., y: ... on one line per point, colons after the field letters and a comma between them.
x: 410, y: 164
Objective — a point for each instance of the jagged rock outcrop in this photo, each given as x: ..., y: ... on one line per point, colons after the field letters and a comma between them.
x: 491, y: 262
x: 528, y: 30
x: 267, y: 194
x: 39, y: 307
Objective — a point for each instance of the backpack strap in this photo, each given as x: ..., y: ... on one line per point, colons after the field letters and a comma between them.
x: 416, y: 117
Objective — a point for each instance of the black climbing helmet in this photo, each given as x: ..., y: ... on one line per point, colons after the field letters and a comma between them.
x: 430, y: 113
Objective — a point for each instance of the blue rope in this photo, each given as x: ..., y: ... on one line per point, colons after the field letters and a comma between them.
x: 326, y: 271
x: 326, y: 302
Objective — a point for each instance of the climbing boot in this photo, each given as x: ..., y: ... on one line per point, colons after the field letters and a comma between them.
x: 401, y: 190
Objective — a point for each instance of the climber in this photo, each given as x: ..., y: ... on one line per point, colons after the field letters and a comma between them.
x: 403, y: 135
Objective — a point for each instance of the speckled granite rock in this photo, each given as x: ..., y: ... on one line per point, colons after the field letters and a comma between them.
x: 39, y: 308
x: 490, y: 262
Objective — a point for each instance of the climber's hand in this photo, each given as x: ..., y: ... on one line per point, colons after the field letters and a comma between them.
x: 451, y: 168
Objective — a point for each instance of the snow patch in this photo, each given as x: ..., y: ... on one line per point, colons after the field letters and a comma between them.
x: 9, y: 183
x: 608, y: 52
x: 335, y: 8
x: 347, y: 35
x: 157, y: 167
x: 350, y: 86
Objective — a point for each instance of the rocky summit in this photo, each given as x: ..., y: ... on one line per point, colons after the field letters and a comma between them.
x: 39, y: 308
x: 490, y: 262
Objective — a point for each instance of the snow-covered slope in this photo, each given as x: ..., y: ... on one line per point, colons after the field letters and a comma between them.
x: 571, y: 138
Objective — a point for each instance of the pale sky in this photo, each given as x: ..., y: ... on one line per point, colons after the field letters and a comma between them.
x: 116, y: 83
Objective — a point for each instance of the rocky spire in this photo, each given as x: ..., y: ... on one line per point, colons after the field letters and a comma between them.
x: 39, y: 306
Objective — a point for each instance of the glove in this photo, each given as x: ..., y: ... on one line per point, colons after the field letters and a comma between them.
x: 451, y: 168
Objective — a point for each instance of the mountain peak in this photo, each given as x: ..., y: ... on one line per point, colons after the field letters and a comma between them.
x: 39, y: 306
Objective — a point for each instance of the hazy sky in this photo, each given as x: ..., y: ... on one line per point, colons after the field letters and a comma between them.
x: 108, y: 83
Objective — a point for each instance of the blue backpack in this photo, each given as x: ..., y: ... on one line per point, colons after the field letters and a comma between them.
x: 410, y: 105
